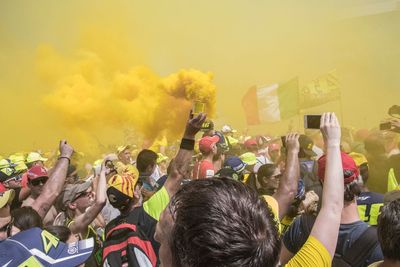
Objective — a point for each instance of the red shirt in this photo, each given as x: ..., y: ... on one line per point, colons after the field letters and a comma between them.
x: 203, y: 169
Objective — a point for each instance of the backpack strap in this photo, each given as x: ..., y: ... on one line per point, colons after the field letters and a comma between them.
x: 122, y: 226
x: 356, y: 255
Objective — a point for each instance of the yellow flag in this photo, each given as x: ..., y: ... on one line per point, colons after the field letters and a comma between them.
x: 320, y: 91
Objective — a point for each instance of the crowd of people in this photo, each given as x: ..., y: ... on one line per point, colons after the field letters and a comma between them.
x: 328, y: 197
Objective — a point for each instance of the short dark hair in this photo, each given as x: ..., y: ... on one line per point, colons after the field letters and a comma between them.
x: 26, y: 218
x: 222, y: 222
x: 351, y: 191
x: 60, y: 231
x: 145, y: 159
x: 266, y: 171
x: 389, y: 230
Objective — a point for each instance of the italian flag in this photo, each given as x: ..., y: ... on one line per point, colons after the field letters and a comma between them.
x: 272, y: 103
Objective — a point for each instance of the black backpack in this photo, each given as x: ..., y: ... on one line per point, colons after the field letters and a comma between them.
x: 358, y: 252
x: 127, y: 243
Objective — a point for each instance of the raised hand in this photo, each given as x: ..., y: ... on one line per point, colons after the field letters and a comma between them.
x: 292, y: 142
x: 194, y: 124
x: 66, y: 150
x: 330, y: 129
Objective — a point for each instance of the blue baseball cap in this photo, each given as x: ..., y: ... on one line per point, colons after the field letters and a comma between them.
x: 235, y: 163
x: 37, y: 247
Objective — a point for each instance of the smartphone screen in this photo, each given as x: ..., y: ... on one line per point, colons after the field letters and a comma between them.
x: 312, y: 121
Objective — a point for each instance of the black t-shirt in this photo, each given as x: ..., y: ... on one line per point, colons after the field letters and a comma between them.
x: 297, y: 235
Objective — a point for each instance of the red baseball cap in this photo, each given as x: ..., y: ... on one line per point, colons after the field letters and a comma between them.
x: 206, y: 143
x: 36, y: 172
x: 250, y: 142
x: 350, y: 169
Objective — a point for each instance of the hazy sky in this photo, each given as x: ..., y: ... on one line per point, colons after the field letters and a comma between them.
x: 242, y: 43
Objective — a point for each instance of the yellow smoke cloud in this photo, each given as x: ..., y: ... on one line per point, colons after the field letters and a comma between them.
x: 90, y: 97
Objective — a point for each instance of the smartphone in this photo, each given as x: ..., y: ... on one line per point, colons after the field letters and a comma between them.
x: 385, y: 126
x: 312, y: 121
x: 283, y: 139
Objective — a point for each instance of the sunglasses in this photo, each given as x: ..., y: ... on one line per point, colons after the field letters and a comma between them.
x: 38, y: 181
x: 15, y: 178
x: 83, y: 194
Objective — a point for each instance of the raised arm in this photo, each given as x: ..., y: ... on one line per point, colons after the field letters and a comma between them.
x: 326, y: 226
x: 287, y: 189
x: 56, y: 181
x: 81, y: 222
x: 180, y: 167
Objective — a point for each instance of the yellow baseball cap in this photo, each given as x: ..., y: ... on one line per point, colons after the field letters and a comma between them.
x: 122, y: 148
x: 358, y: 158
x: 6, y: 197
x: 248, y: 158
x: 19, y: 160
x: 34, y: 156
x: 123, y: 183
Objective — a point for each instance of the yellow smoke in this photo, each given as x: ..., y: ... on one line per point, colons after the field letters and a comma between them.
x: 89, y: 97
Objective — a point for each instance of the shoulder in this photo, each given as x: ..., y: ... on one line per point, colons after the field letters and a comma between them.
x: 157, y: 203
x: 313, y: 253
x: 298, y: 232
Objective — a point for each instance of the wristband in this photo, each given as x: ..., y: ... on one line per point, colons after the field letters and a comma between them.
x: 69, y: 160
x: 187, y: 144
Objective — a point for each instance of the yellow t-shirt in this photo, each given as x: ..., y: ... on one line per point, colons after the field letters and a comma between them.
x: 273, y: 204
x: 311, y: 254
x: 375, y: 264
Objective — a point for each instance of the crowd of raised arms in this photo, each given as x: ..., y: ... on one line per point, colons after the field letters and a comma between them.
x: 328, y: 197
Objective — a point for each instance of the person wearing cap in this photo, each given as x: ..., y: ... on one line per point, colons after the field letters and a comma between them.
x: 205, y: 167
x: 228, y: 134
x: 37, y: 177
x: 34, y: 158
x: 125, y: 164
x: 369, y: 203
x: 351, y: 227
x: 128, y: 199
x: 6, y: 197
x: 208, y: 128
x: 81, y: 208
x: 11, y: 179
x: 233, y: 168
x: 37, y: 247
x: 55, y: 183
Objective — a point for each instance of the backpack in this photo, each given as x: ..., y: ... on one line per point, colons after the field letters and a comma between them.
x: 358, y: 252
x: 125, y: 242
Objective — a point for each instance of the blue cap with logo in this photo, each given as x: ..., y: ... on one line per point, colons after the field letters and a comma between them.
x: 37, y: 247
